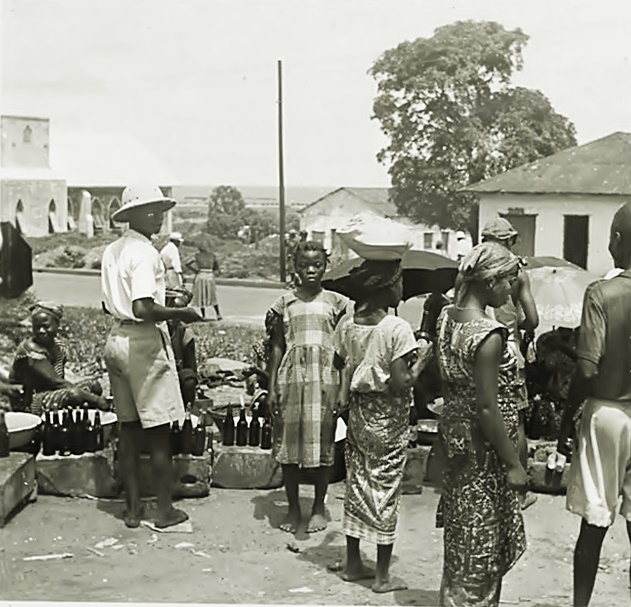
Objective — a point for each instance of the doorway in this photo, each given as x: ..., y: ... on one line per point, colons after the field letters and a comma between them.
x: 53, y: 224
x: 525, y: 225
x: 576, y: 239
x: 19, y: 217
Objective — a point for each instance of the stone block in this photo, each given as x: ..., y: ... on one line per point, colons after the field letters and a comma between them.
x: 77, y: 475
x: 245, y: 468
x: 192, y: 475
x: 17, y: 483
x: 415, y: 469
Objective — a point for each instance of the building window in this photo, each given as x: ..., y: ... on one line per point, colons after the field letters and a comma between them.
x: 26, y: 135
x: 428, y: 240
x: 19, y: 216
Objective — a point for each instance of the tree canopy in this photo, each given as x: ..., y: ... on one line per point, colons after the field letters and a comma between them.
x: 453, y: 118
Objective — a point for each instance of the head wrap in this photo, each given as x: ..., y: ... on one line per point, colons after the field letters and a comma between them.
x: 488, y: 260
x: 373, y: 274
x: 48, y: 307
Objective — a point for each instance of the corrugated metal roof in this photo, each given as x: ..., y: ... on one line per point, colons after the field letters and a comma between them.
x: 602, y: 166
x: 105, y: 160
x: 377, y: 198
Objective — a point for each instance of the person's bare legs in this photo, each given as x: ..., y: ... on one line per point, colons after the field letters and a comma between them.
x: 382, y: 582
x: 586, y: 558
x: 629, y: 536
x: 291, y: 474
x: 129, y: 460
x: 354, y: 569
x: 318, y: 521
x: 217, y: 312
x: 526, y: 498
x: 159, y: 438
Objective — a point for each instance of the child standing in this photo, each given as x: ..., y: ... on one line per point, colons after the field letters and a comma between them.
x: 378, y: 350
x: 303, y: 383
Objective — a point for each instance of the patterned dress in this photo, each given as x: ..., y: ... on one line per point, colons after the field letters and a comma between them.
x: 39, y: 396
x: 484, y: 530
x: 204, y: 286
x: 307, y: 380
x: 378, y: 427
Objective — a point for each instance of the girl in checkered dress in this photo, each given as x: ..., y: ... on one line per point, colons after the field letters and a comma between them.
x: 303, y: 383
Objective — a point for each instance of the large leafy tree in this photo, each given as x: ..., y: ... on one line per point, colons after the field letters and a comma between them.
x: 453, y: 118
x: 226, y: 211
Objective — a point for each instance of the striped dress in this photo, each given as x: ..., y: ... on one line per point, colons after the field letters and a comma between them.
x: 307, y: 380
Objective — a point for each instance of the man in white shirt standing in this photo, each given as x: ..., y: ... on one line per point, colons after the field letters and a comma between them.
x: 170, y: 256
x: 138, y: 353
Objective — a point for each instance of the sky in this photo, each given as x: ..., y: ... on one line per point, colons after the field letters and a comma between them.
x: 196, y: 80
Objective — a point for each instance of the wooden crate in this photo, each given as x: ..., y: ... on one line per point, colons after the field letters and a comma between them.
x: 17, y: 483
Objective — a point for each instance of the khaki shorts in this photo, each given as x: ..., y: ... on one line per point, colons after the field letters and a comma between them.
x: 600, y: 475
x: 143, y: 377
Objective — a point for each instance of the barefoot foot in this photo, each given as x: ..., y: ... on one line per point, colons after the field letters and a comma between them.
x: 388, y: 585
x: 175, y: 517
x: 291, y: 522
x: 316, y: 523
x: 132, y: 518
x: 527, y: 500
x: 352, y: 574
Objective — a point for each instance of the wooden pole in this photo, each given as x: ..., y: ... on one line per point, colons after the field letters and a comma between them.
x: 281, y: 174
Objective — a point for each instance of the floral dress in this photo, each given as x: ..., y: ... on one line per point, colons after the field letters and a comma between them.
x: 307, y: 380
x: 483, y: 526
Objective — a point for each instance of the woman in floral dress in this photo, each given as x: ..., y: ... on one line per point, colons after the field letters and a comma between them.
x: 479, y: 508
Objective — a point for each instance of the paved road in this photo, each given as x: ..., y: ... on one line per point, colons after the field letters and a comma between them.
x: 238, y: 304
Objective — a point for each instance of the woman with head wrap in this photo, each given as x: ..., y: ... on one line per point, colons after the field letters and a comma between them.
x: 378, y: 351
x: 479, y: 508
x: 39, y: 365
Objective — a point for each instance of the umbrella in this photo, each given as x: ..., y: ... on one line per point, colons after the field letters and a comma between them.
x: 549, y: 262
x: 423, y: 272
x: 558, y: 292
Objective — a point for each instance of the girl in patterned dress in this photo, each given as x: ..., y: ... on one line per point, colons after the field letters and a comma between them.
x: 303, y: 383
x: 378, y: 350
x: 39, y: 365
x: 478, y: 429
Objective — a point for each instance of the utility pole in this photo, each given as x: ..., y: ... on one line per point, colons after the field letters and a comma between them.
x: 281, y: 174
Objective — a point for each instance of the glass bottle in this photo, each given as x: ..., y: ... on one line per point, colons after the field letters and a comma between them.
x: 228, y: 428
x: 242, y: 429
x: 187, y: 432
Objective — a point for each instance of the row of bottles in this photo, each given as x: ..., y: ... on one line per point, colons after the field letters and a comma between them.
x: 72, y: 432
x: 4, y: 436
x: 243, y: 434
x: 188, y: 440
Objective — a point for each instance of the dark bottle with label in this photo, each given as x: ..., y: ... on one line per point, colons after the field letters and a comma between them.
x: 4, y: 437
x: 176, y: 438
x: 266, y: 434
x: 78, y: 434
x: 199, y: 435
x: 187, y: 432
x: 48, y: 435
x: 242, y: 429
x: 88, y: 429
x: 254, y: 438
x: 228, y: 428
x: 64, y: 433
x: 54, y: 418
x: 97, y: 430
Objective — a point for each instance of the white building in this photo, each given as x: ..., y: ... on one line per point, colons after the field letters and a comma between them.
x: 563, y: 205
x: 327, y: 214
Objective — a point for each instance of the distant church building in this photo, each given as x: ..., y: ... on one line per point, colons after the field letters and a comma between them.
x: 74, y: 183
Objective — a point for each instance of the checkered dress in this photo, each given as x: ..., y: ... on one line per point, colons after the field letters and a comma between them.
x: 307, y: 381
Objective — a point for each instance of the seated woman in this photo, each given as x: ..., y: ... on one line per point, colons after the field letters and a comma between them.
x: 183, y: 344
x: 39, y: 365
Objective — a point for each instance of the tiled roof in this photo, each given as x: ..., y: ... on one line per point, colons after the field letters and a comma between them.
x: 602, y: 166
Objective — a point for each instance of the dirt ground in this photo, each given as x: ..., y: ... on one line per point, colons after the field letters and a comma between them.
x: 238, y: 555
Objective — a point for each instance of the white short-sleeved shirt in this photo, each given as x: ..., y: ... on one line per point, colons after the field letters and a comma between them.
x: 369, y: 350
x: 131, y: 269
x: 170, y: 256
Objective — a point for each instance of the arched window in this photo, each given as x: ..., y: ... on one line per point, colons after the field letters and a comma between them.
x: 97, y: 213
x: 19, y: 216
x: 72, y: 223
x: 115, y: 204
x: 53, y: 224
x: 26, y: 134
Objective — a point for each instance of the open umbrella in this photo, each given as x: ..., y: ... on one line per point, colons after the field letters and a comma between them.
x: 558, y: 292
x: 423, y: 272
x: 549, y: 262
